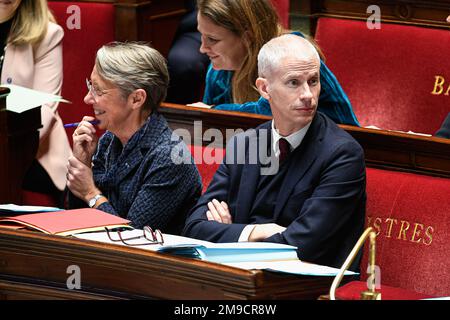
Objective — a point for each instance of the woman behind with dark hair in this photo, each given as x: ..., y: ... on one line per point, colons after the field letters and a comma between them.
x: 31, y: 57
x: 130, y: 171
x: 187, y: 66
x: 233, y: 32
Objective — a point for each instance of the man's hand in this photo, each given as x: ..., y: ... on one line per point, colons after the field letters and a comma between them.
x: 80, y: 180
x: 218, y: 211
x: 264, y: 231
x: 85, y: 141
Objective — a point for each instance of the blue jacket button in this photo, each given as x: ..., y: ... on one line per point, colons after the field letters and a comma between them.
x: 9, y: 80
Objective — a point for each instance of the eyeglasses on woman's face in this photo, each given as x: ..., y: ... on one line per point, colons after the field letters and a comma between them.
x: 96, y: 93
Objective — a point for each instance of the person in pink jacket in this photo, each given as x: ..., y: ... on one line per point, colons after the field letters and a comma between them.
x: 31, y: 56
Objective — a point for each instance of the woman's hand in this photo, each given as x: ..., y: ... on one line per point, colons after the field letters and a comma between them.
x: 85, y: 141
x: 80, y: 180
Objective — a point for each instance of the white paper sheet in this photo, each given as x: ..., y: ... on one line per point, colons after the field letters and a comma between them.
x: 26, y: 209
x: 21, y: 99
x: 290, y: 266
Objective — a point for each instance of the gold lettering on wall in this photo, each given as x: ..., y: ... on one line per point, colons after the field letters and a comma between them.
x: 403, y: 230
x: 440, y: 85
x: 428, y: 233
x: 417, y: 232
x: 376, y: 225
x: 388, y: 235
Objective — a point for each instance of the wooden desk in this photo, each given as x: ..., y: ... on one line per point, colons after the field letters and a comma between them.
x: 383, y: 149
x: 34, y: 265
x: 19, y: 140
x: 153, y: 21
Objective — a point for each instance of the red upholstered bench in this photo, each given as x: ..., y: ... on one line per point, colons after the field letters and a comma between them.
x: 96, y: 28
x: 79, y: 47
x: 282, y: 7
x: 397, y: 77
x: 207, y: 159
x: 411, y: 214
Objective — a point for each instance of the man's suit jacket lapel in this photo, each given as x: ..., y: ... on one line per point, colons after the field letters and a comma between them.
x: 303, y: 157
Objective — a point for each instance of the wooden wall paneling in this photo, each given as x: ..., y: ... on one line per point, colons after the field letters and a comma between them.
x: 384, y: 149
x: 154, y: 21
x: 402, y: 151
x: 410, y: 12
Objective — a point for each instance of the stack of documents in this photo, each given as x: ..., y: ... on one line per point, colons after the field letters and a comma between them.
x: 243, y: 255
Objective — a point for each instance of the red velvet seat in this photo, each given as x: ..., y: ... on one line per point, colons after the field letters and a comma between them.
x: 207, y: 159
x: 352, y: 291
x: 282, y: 7
x: 79, y: 49
x: 410, y: 213
x: 389, y: 74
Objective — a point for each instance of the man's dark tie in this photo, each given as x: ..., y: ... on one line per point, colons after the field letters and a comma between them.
x: 285, y: 149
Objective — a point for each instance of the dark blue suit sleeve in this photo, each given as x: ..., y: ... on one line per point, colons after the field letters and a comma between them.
x: 328, y: 218
x: 197, y: 224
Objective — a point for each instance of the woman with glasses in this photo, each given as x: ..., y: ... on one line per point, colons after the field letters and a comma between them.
x: 31, y: 56
x: 233, y: 32
x: 130, y: 170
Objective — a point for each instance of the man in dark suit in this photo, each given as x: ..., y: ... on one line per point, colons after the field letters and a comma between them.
x: 298, y: 179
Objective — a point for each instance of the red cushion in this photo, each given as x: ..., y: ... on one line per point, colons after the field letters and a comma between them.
x: 282, y: 7
x: 31, y: 198
x: 79, y: 49
x: 389, y: 74
x: 207, y: 160
x: 417, y: 261
x: 352, y: 291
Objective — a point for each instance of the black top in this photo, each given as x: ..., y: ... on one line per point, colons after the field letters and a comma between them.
x: 444, y: 131
x: 5, y: 27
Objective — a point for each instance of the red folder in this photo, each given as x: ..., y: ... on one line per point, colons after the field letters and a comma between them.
x: 66, y: 222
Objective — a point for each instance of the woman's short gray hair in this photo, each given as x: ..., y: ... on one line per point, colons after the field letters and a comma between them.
x: 134, y: 65
x: 287, y: 45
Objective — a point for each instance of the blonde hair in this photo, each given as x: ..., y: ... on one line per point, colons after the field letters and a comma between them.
x: 30, y: 22
x: 134, y: 65
x: 256, y: 22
